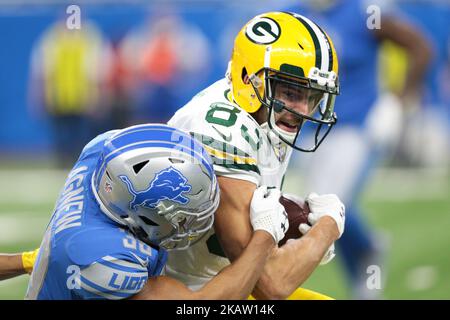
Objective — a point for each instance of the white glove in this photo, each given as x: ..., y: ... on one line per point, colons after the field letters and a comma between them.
x: 325, y: 205
x: 304, y: 228
x: 267, y: 213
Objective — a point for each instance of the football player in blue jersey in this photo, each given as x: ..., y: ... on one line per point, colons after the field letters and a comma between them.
x: 132, y: 195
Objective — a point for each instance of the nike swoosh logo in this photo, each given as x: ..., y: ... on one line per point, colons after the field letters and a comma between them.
x: 143, y: 262
x: 224, y: 137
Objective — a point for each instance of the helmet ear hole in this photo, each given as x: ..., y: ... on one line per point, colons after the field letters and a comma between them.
x: 148, y: 221
x: 138, y: 167
x: 175, y: 161
x: 244, y: 76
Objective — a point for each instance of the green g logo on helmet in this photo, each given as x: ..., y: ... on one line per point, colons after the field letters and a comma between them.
x: 263, y: 30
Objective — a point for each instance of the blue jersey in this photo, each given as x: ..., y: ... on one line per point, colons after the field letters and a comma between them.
x: 346, y: 24
x: 84, y: 254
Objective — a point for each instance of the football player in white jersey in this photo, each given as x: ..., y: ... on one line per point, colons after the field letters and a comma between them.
x: 281, y: 80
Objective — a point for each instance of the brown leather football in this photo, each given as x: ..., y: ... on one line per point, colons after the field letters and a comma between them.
x: 297, y: 210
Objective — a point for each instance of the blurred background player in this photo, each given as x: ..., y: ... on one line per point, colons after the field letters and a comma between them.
x: 427, y: 120
x: 68, y: 83
x: 132, y: 195
x: 159, y: 56
x: 369, y: 121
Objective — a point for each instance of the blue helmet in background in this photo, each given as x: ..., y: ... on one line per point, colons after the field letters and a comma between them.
x: 159, y: 182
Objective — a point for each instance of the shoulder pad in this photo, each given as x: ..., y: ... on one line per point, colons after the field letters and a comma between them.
x: 111, y: 262
x: 96, y: 144
x: 229, y: 134
x: 232, y: 138
x: 87, y: 246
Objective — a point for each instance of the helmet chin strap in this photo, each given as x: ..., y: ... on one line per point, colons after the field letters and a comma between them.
x: 228, y: 73
x: 279, y: 146
x: 290, y: 136
x: 275, y: 133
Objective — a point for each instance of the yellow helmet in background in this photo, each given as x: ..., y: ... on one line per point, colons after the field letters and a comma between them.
x: 284, y: 47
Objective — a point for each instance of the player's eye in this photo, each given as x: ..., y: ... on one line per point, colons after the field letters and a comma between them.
x: 292, y: 95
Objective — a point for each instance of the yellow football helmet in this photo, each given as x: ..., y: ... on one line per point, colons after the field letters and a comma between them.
x: 280, y: 54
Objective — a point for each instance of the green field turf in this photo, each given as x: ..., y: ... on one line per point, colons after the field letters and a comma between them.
x: 411, y: 208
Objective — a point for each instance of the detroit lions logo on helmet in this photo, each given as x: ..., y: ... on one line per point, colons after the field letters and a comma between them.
x: 168, y: 184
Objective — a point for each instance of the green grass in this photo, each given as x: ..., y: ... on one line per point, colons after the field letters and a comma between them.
x: 412, y: 209
x: 418, y: 236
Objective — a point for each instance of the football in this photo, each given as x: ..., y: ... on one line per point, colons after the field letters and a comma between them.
x: 297, y: 210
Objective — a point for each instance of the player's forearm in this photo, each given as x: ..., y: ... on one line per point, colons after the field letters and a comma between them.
x: 234, y: 282
x: 419, y: 60
x: 11, y: 266
x: 419, y: 54
x: 293, y: 263
x: 238, y: 279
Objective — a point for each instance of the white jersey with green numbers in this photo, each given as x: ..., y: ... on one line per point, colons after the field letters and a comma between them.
x: 240, y: 148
